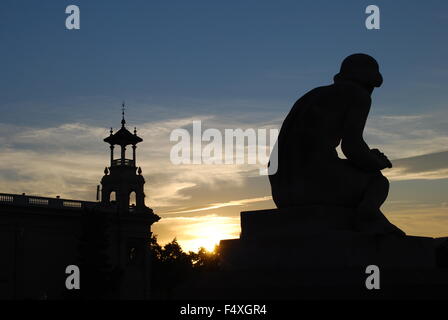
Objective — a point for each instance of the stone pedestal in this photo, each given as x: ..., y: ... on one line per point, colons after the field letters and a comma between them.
x: 313, y: 252
x: 319, y: 237
x: 291, y: 222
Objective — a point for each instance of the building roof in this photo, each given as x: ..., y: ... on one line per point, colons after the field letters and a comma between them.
x: 123, y: 137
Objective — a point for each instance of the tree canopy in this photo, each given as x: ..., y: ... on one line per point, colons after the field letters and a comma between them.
x: 171, y: 266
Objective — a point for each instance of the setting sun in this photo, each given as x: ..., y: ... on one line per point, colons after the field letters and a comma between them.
x: 208, y: 236
x: 208, y: 233
x: 195, y: 232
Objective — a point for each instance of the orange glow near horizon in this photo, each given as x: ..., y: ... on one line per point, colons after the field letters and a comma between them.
x: 208, y: 235
x: 197, y: 232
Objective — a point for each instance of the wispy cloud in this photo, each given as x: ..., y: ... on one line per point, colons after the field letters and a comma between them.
x: 428, y: 166
x: 422, y: 221
x: 404, y: 136
x: 232, y: 203
x: 69, y: 159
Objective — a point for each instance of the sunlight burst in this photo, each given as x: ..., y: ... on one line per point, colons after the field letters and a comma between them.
x: 207, y: 234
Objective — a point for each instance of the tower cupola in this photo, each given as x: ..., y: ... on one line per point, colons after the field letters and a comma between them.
x: 123, y: 138
x: 123, y: 177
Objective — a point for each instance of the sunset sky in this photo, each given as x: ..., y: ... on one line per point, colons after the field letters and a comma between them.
x: 231, y: 64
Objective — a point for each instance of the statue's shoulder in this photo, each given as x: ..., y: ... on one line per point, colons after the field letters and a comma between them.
x: 317, y: 93
x: 352, y: 92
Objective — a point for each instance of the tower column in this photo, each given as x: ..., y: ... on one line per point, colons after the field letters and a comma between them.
x: 123, y: 153
x: 140, y: 198
x: 134, y: 154
x: 105, y: 195
x: 124, y: 199
x: 111, y: 154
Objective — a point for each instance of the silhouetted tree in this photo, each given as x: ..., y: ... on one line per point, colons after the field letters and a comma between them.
x: 155, y: 248
x: 171, y: 266
x: 204, y: 260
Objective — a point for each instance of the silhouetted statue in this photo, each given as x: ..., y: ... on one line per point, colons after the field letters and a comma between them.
x: 309, y: 170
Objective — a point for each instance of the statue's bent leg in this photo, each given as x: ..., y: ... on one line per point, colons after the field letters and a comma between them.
x: 369, y: 217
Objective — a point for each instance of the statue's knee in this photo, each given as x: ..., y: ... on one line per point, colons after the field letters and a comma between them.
x: 382, y: 180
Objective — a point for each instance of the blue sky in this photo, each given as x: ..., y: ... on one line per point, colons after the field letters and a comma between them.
x: 183, y: 54
x: 236, y: 63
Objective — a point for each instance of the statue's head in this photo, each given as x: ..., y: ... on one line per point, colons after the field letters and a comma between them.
x: 360, y: 68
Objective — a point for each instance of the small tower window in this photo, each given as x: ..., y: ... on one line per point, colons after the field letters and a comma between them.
x: 132, y: 199
x: 134, y: 252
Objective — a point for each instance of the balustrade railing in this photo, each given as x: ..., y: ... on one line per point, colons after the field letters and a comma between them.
x: 35, y: 201
x: 123, y: 162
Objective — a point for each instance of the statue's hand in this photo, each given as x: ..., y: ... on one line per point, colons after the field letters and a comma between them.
x: 384, y: 161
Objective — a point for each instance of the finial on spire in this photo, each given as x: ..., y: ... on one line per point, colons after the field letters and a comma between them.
x: 135, y: 130
x: 122, y: 113
x: 111, y: 131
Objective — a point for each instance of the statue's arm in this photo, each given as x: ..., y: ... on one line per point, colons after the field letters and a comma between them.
x: 353, y: 145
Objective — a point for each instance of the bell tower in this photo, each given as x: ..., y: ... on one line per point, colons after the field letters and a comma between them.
x: 123, y: 177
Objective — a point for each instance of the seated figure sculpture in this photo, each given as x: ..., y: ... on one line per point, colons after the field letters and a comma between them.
x: 307, y: 169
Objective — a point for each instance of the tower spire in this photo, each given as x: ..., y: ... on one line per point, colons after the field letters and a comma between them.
x: 123, y: 122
